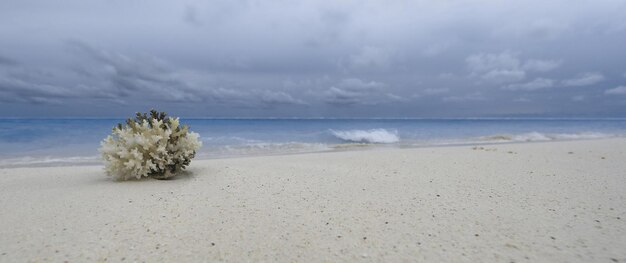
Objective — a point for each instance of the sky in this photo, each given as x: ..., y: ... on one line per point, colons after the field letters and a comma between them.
x: 280, y: 58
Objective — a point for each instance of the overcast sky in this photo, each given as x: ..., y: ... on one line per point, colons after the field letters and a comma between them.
x: 229, y: 58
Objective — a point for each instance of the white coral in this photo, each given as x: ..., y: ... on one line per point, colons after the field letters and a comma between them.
x: 154, y: 149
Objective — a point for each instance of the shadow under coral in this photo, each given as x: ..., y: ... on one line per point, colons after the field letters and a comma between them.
x: 181, y: 176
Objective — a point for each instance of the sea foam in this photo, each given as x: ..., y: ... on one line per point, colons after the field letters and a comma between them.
x: 26, y: 161
x: 538, y: 136
x: 252, y: 149
x: 368, y: 136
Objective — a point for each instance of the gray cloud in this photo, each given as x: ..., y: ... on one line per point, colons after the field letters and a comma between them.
x: 19, y: 84
x: 496, y: 68
x: 190, y: 16
x: 435, y: 91
x: 506, y: 67
x: 306, y: 58
x: 273, y: 98
x: 621, y: 90
x: 504, y: 75
x: 371, y: 58
x: 541, y: 65
x: 126, y: 76
x: 4, y: 61
x: 150, y: 77
x: 353, y: 91
x: 120, y: 79
x: 499, y: 68
x: 13, y: 90
x: 585, y: 79
x: 539, y: 83
x: 489, y: 62
x: 477, y: 96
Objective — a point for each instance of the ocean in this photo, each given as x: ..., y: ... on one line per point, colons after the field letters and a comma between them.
x: 52, y: 142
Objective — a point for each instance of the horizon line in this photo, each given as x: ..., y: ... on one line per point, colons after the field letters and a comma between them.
x: 328, y: 118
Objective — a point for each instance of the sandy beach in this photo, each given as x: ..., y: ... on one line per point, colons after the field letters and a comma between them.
x: 533, y: 202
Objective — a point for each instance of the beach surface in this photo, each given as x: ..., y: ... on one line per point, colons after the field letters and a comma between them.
x: 531, y: 202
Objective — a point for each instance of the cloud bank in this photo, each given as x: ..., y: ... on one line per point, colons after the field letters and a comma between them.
x: 250, y: 58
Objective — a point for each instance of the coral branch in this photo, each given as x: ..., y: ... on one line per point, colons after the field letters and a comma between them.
x: 149, y: 146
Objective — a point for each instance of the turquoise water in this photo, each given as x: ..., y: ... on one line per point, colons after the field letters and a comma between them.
x: 26, y: 142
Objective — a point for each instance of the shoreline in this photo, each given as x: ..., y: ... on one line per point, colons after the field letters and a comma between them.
x: 347, y: 147
x: 539, y: 202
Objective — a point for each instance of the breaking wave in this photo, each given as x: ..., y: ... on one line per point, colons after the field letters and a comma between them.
x: 368, y: 136
x: 538, y: 137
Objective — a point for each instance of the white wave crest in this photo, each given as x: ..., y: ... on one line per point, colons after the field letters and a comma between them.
x: 538, y: 137
x: 368, y: 136
x: 28, y: 161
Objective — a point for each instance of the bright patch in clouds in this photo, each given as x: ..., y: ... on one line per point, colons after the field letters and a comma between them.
x: 541, y: 65
x: 506, y: 66
x: 585, y: 79
x: 621, y: 90
x: 536, y: 84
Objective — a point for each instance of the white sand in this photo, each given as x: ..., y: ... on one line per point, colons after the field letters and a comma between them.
x: 531, y: 202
